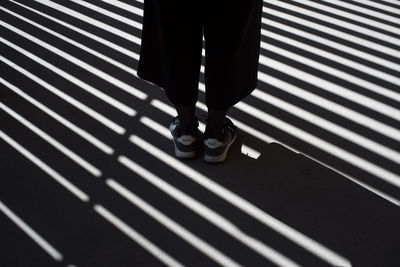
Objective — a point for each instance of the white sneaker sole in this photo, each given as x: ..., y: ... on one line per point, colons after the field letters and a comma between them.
x: 222, y: 157
x: 184, y: 155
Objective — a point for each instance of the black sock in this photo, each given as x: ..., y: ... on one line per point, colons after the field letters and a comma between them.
x: 215, y: 124
x: 187, y: 119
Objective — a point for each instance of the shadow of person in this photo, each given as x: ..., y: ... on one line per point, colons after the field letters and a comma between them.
x: 312, y: 199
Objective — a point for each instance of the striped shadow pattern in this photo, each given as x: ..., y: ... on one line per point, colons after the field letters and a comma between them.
x: 88, y: 170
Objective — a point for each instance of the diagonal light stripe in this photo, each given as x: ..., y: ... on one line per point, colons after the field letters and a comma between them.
x: 63, y: 149
x: 267, y: 139
x: 178, y: 229
x: 172, y: 112
x: 250, y: 152
x: 97, y: 116
x: 365, y: 11
x: 208, y: 214
x: 55, y: 175
x: 300, y: 239
x: 125, y: 6
x: 46, y: 246
x: 103, y: 41
x: 332, y: 88
x: 87, y: 19
x: 242, y: 126
x: 373, y: 87
x: 250, y: 130
x: 381, y: 6
x: 341, y: 34
x: 81, y: 46
x: 163, y: 131
x: 137, y: 237
x: 156, y: 127
x: 164, y: 107
x: 343, y: 48
x: 99, y: 73
x: 87, y: 136
x: 334, y: 107
x: 109, y: 14
x: 355, y: 160
x: 353, y: 27
x: 338, y: 130
x: 317, y: 100
x: 331, y: 56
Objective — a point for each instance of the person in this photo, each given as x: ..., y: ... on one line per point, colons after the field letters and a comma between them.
x: 170, y: 57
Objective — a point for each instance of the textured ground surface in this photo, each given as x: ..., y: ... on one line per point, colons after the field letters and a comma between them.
x: 87, y: 176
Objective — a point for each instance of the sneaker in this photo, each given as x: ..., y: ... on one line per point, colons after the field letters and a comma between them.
x: 216, y: 150
x: 186, y: 145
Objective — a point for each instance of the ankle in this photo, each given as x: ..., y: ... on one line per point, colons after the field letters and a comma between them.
x: 185, y: 129
x: 214, y: 133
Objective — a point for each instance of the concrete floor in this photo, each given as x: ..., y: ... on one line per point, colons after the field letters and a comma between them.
x: 88, y: 176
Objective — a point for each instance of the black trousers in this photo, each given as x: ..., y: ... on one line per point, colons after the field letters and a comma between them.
x: 170, y: 54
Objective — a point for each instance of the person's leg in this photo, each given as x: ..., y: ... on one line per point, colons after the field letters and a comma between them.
x: 232, y: 43
x: 187, y: 119
x: 170, y: 53
x: 215, y: 124
x: 186, y: 136
x: 232, y: 31
x: 219, y: 136
x: 170, y: 57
